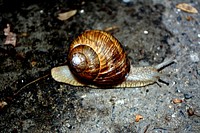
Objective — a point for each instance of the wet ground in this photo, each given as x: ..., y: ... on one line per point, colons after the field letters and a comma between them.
x: 150, y: 32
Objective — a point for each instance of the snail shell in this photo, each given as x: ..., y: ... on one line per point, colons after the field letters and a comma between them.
x: 97, y: 58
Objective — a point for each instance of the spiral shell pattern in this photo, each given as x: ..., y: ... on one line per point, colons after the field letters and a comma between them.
x: 98, y: 58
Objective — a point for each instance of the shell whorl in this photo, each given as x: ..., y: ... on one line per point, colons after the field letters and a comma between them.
x: 84, y: 62
x: 105, y: 59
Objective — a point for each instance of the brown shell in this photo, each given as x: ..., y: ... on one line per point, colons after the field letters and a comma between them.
x: 101, y: 57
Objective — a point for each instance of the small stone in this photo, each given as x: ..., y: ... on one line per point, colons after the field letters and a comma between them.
x: 190, y: 112
x: 179, y: 18
x: 146, y: 32
x: 126, y: 1
x: 187, y: 96
x: 194, y: 57
x: 41, y: 11
x: 82, y: 11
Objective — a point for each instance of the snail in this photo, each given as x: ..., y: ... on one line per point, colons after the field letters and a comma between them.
x: 97, y: 59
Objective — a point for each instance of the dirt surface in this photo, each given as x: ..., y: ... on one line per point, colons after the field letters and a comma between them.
x: 150, y: 32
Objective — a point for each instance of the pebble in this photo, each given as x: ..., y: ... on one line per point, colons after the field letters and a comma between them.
x: 187, y: 96
x: 126, y: 1
x: 146, y: 32
x: 194, y: 57
x: 82, y: 11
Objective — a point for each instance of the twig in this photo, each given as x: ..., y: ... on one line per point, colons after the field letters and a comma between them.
x: 30, y: 83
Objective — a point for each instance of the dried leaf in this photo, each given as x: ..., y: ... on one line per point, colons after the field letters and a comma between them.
x: 176, y: 100
x: 2, y: 104
x: 24, y: 34
x: 33, y: 63
x: 66, y: 15
x: 138, y: 118
x: 187, y: 8
x: 112, y: 28
x: 189, y: 18
x: 10, y: 36
x: 11, y: 39
x: 7, y: 30
x: 190, y: 112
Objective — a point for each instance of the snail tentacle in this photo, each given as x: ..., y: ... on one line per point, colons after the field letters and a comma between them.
x: 165, y: 63
x: 143, y: 76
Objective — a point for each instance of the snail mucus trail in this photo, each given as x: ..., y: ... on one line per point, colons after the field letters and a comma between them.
x: 97, y: 59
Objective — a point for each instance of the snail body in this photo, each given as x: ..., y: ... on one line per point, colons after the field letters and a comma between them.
x: 97, y: 59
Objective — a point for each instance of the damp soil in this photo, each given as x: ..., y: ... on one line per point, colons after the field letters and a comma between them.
x: 150, y: 32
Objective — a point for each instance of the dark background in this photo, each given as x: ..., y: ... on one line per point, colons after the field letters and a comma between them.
x: 49, y: 106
